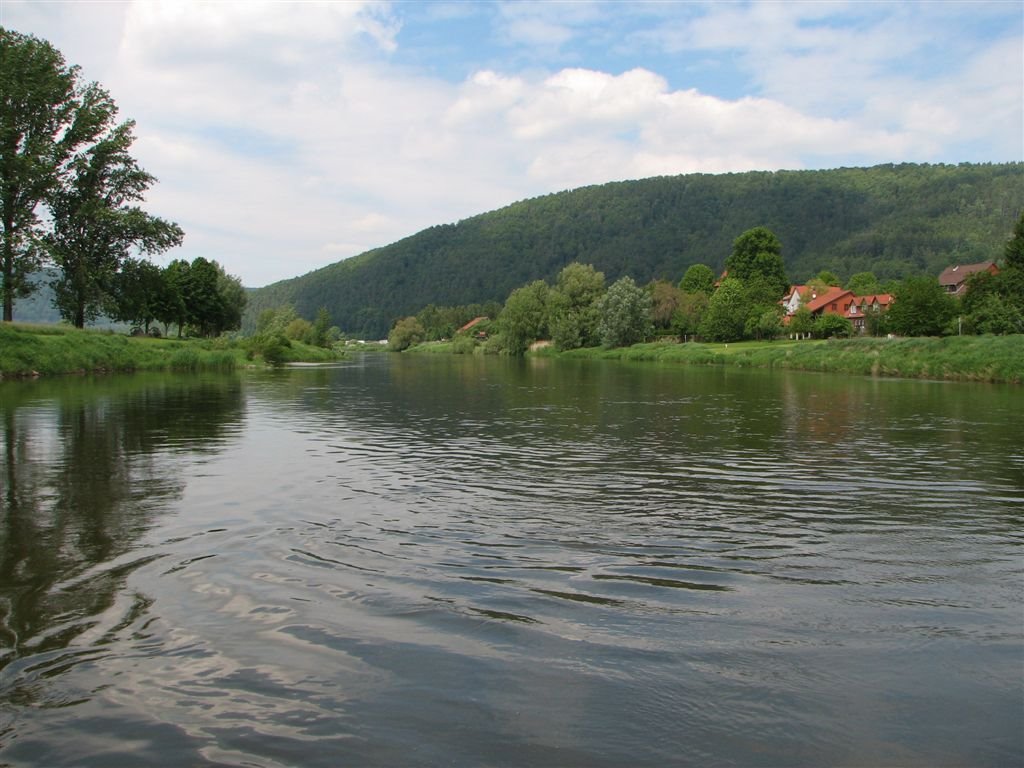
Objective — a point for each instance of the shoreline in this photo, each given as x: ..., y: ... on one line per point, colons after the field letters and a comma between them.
x: 992, y: 359
x: 34, y: 351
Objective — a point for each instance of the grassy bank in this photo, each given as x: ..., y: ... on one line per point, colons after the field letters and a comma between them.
x: 29, y: 350
x: 956, y: 358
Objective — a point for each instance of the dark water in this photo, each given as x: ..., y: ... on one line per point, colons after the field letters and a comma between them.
x: 476, y: 562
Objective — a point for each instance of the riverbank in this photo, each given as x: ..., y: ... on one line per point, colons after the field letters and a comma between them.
x: 48, y: 350
x: 954, y: 358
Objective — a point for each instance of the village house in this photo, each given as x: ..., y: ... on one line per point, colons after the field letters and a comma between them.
x: 837, y: 301
x: 954, y: 279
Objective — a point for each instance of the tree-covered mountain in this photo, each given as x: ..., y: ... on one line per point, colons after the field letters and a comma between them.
x: 893, y: 220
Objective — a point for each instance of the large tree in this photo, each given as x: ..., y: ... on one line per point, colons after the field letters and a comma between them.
x: 920, y: 308
x: 726, y: 315
x: 572, y: 306
x: 45, y: 116
x: 625, y: 312
x: 95, y: 224
x: 524, y: 319
x: 758, y: 253
x: 1014, y: 253
x: 699, y: 278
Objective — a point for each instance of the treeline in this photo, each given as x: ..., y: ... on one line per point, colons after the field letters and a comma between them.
x: 890, y: 220
x: 578, y: 310
x: 69, y: 201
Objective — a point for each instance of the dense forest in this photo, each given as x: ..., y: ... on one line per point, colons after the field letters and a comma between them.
x: 892, y: 220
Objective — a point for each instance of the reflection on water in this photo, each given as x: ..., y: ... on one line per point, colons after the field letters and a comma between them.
x: 408, y: 561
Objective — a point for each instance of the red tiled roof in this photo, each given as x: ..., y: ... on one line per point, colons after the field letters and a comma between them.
x: 833, y: 295
x: 471, y: 323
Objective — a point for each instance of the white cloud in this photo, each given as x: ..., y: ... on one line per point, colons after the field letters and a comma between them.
x: 286, y: 135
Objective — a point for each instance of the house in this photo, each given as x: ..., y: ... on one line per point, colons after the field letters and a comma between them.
x: 838, y: 301
x: 795, y: 294
x: 835, y: 301
x: 480, y: 335
x: 954, y: 279
x: 471, y: 323
x: 865, y: 306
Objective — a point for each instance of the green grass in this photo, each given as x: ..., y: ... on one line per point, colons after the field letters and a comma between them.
x: 956, y: 358
x: 29, y: 350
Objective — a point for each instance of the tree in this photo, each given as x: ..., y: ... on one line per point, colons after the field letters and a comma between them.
x: 1013, y: 255
x: 45, y: 116
x: 665, y: 298
x: 763, y: 325
x: 726, y: 316
x: 801, y: 322
x: 625, y: 314
x: 688, y: 315
x: 829, y: 325
x: 174, y: 310
x: 993, y: 315
x: 864, y: 284
x: 138, y: 293
x: 920, y: 308
x: 524, y: 319
x: 408, y: 332
x: 829, y: 278
x: 320, y: 333
x: 572, y: 316
x: 699, y: 278
x: 94, y: 224
x: 758, y: 252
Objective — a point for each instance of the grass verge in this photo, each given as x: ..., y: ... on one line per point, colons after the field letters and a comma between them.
x: 955, y: 358
x: 45, y: 350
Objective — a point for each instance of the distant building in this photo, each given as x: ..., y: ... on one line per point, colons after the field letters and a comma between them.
x: 471, y: 323
x: 954, y: 279
x: 837, y: 301
x: 795, y: 294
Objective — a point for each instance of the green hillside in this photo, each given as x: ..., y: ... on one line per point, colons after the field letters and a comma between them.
x: 893, y: 220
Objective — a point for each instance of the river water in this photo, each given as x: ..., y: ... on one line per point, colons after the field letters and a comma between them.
x: 416, y: 561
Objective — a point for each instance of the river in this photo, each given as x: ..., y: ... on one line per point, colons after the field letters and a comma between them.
x: 462, y: 561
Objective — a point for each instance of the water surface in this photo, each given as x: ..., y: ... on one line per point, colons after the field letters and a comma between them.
x: 465, y: 561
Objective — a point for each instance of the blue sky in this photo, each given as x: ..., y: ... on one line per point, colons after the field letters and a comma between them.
x: 289, y: 135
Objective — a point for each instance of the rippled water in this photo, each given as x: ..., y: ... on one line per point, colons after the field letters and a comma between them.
x: 415, y: 561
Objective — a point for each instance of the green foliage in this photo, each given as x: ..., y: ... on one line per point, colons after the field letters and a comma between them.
x: 699, y: 278
x: 726, y: 315
x: 757, y: 253
x: 864, y: 284
x: 920, y: 308
x: 625, y: 314
x: 801, y: 322
x: 665, y: 299
x: 408, y: 332
x: 829, y: 278
x: 138, y: 291
x: 1013, y: 253
x: 994, y: 315
x: 828, y: 326
x: 524, y: 318
x: 688, y: 315
x: 965, y: 358
x: 892, y: 220
x: 572, y: 306
x: 94, y: 224
x: 765, y: 325
x: 45, y: 116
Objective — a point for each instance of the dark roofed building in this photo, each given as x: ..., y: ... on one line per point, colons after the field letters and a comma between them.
x: 954, y: 279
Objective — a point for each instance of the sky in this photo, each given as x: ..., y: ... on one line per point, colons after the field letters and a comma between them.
x: 287, y: 136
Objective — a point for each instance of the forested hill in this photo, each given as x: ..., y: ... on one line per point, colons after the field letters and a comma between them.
x: 893, y: 220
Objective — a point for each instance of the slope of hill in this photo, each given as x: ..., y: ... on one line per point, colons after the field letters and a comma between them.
x: 893, y: 220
